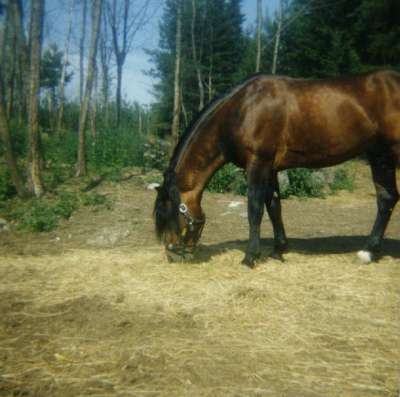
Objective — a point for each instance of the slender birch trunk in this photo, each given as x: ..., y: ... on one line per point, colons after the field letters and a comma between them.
x: 93, y: 113
x: 195, y: 58
x: 105, y: 56
x: 258, y: 40
x: 82, y: 49
x: 96, y: 17
x: 277, y: 38
x: 177, y: 90
x: 120, y: 64
x: 12, y: 60
x: 37, y: 8
x: 22, y: 60
x: 60, y: 115
x: 8, y: 151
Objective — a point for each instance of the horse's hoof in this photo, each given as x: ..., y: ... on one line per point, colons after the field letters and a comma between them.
x: 277, y: 255
x: 250, y: 262
x: 365, y: 257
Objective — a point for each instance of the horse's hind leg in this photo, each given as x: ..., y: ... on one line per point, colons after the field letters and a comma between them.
x: 273, y: 204
x: 383, y: 167
x: 259, y: 177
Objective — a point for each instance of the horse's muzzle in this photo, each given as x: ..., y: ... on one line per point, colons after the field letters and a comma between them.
x: 178, y: 253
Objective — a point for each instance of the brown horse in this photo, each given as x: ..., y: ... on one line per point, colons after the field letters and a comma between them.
x: 268, y: 124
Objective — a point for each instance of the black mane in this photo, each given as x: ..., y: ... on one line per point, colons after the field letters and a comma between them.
x: 166, y: 208
x: 203, y: 115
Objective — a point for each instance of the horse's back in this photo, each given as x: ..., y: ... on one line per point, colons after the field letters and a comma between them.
x: 306, y: 122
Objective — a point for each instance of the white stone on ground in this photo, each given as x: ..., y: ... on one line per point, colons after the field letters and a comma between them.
x: 364, y: 256
x: 153, y: 186
x: 234, y: 204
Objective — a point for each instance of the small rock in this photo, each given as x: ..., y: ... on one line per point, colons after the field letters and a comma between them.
x: 234, y: 204
x: 283, y: 180
x: 4, y: 227
x: 107, y: 237
x: 153, y: 186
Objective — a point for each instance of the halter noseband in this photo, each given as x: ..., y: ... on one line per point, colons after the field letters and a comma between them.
x: 189, y: 219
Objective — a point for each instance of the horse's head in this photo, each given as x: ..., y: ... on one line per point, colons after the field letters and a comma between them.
x: 178, y: 224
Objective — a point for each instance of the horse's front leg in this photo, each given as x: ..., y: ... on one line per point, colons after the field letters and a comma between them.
x: 273, y: 204
x: 258, y: 180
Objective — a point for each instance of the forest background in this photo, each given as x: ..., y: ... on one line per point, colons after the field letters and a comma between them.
x: 49, y: 137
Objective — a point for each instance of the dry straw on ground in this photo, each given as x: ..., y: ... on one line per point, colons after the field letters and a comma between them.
x: 77, y: 320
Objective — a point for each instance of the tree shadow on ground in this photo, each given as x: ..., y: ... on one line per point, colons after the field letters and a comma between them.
x: 307, y: 246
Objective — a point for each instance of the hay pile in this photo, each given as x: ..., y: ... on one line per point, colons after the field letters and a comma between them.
x: 115, y: 319
x: 117, y: 323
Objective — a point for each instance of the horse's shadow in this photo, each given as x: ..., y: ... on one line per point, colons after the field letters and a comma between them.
x: 308, y: 246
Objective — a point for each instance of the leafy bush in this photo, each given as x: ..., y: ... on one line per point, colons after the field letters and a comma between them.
x: 60, y: 150
x: 44, y: 214
x: 7, y: 189
x: 96, y: 199
x: 343, y: 180
x: 155, y: 154
x: 38, y: 217
x: 228, y: 179
x: 304, y: 182
x: 117, y: 148
x: 67, y: 204
x: 299, y: 182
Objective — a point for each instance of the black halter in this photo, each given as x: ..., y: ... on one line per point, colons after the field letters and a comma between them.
x: 189, y: 219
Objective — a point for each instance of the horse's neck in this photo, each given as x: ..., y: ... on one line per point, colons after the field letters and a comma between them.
x: 199, y: 162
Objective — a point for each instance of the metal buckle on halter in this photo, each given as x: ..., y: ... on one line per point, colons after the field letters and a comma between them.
x: 184, y: 210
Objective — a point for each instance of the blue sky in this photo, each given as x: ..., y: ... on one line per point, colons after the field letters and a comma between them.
x: 136, y: 85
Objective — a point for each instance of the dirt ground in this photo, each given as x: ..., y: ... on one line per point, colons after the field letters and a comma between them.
x: 94, y: 308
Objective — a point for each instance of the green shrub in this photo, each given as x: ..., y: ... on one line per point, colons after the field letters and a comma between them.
x: 304, y: 183
x: 343, y: 180
x: 38, y: 217
x: 299, y: 182
x: 7, y: 189
x: 66, y: 205
x: 156, y: 154
x: 96, y: 200
x: 228, y: 179
x: 44, y: 214
x: 116, y: 148
x: 61, y: 150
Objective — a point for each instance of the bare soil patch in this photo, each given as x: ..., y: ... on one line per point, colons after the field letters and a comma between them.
x: 94, y: 308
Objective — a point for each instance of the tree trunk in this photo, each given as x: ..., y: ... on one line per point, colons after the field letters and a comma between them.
x: 8, y: 151
x: 140, y: 121
x: 210, y: 65
x: 277, y: 38
x: 105, y: 88
x: 93, y: 113
x: 105, y: 73
x: 96, y: 16
x: 60, y: 115
x: 195, y: 60
x: 259, y: 28
x: 11, y: 80
x: 22, y: 60
x: 120, y: 63
x: 12, y: 60
x: 50, y: 106
x: 3, y: 37
x: 34, y: 88
x: 177, y: 91
x: 82, y: 49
